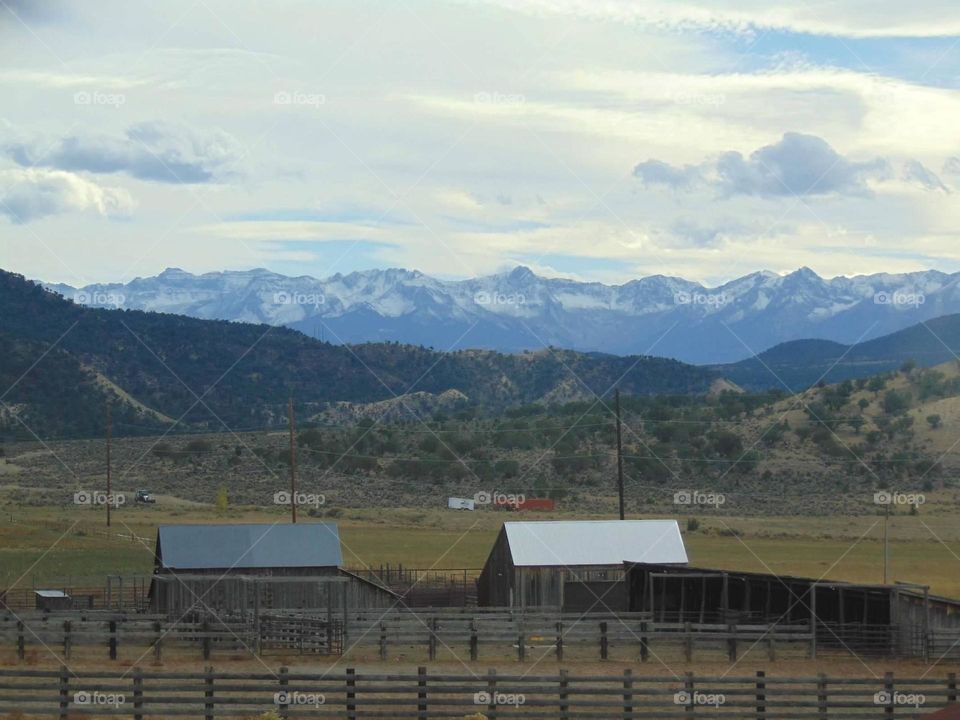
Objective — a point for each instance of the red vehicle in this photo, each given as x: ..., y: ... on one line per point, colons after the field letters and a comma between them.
x: 519, y: 502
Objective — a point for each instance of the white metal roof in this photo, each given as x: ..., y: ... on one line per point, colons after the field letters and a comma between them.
x: 595, y: 542
x: 51, y: 593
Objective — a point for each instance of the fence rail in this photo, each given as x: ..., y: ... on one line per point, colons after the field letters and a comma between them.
x: 64, y: 693
x: 453, y: 633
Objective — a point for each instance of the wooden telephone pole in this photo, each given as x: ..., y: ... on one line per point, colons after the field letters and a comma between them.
x: 293, y: 463
x: 109, y: 438
x: 619, y: 455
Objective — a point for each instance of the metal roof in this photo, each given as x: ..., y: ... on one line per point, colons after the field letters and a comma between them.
x: 195, y: 547
x: 595, y: 542
x: 51, y: 593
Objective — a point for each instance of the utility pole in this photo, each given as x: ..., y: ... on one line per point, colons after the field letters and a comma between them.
x: 293, y: 463
x: 109, y: 438
x: 886, y: 543
x: 619, y: 454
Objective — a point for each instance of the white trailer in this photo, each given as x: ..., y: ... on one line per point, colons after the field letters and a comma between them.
x: 460, y: 503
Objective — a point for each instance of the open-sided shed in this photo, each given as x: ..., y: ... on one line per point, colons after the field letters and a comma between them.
x: 900, y: 618
x: 576, y: 565
x: 241, y: 567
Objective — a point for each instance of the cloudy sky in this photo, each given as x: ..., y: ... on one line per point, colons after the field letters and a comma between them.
x: 593, y: 139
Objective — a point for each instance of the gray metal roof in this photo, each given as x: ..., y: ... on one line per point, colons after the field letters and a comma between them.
x: 195, y: 547
x: 595, y: 542
x: 51, y: 593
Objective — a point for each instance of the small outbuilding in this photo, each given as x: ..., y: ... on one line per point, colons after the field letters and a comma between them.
x: 573, y: 565
x: 48, y: 600
x: 246, y: 567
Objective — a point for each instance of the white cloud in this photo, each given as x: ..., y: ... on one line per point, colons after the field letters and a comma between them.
x: 33, y: 193
x: 849, y: 18
x: 153, y: 151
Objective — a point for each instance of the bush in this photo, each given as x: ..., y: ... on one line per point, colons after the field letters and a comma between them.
x: 896, y: 402
x: 199, y: 446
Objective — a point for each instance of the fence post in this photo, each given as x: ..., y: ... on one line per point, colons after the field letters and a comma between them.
x: 627, y: 694
x: 952, y: 687
x: 208, y: 702
x: 644, y: 642
x: 822, y: 705
x: 157, y: 642
x: 772, y: 643
x: 205, y: 630
x: 66, y: 639
x: 560, y: 641
x: 564, y: 704
x: 688, y: 688
x: 432, y: 644
x: 282, y: 695
x: 688, y: 641
x: 474, y: 640
x: 813, y: 622
x: 888, y: 711
x: 732, y: 641
x: 383, y: 641
x: 21, y: 640
x: 521, y: 644
x: 351, y: 694
x: 761, y: 694
x: 64, y: 692
x: 113, y: 640
x: 421, y: 693
x: 604, y: 642
x: 137, y: 694
x: 492, y: 694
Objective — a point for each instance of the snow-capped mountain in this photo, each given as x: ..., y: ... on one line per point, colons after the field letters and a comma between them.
x: 520, y: 310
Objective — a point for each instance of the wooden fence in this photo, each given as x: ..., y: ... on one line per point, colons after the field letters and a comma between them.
x: 454, y: 634
x: 64, y: 693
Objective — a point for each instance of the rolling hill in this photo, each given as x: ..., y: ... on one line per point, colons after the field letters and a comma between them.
x: 802, y: 363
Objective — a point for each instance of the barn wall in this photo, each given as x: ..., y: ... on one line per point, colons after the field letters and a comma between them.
x: 497, y: 581
x: 224, y: 592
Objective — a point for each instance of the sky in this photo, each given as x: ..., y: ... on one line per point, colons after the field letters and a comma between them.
x: 593, y: 139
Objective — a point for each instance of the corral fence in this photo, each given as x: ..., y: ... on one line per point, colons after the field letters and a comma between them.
x: 426, y: 588
x: 476, y: 634
x: 120, y: 593
x: 416, y: 588
x: 64, y: 693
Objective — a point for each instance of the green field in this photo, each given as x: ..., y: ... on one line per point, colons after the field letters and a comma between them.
x: 35, y: 548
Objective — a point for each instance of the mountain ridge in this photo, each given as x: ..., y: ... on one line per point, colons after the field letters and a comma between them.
x: 518, y: 310
x: 214, y: 374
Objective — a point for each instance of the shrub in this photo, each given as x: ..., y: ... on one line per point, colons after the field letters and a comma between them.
x: 199, y: 446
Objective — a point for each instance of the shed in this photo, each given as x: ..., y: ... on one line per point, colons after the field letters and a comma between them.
x: 899, y: 619
x: 241, y: 567
x: 574, y: 565
x: 52, y: 600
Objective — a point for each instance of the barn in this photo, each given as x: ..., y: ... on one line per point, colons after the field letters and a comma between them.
x: 574, y: 565
x: 229, y: 568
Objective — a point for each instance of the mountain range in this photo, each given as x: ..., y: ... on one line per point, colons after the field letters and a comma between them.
x: 61, y: 362
x: 520, y: 310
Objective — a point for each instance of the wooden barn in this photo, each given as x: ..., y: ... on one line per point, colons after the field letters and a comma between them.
x: 901, y: 619
x: 253, y: 567
x: 573, y: 565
